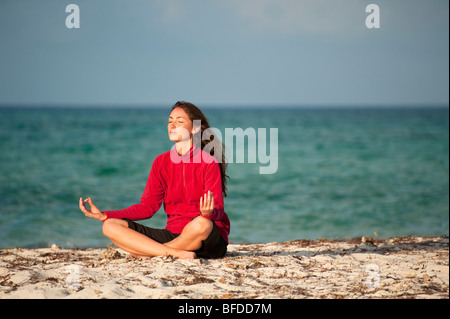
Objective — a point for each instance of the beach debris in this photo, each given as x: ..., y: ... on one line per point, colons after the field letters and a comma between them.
x: 111, y: 253
x: 412, y: 267
x: 367, y: 240
x: 367, y: 244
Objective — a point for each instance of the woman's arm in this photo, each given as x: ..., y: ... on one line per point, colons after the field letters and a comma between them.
x: 213, y: 185
x: 151, y: 199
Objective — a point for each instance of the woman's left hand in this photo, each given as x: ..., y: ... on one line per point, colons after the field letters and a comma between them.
x: 207, y: 204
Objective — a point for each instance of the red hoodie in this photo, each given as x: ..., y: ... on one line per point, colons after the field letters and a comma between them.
x: 180, y: 181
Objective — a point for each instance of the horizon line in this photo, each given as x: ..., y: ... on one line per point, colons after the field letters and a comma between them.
x: 265, y: 106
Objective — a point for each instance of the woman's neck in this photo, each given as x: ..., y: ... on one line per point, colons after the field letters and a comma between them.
x: 183, y: 146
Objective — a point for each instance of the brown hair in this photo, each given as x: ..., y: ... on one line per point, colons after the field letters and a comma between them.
x: 195, y: 113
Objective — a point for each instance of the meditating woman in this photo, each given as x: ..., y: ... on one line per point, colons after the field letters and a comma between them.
x: 191, y: 182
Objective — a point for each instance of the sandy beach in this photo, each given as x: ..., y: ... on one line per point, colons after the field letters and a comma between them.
x: 362, y: 268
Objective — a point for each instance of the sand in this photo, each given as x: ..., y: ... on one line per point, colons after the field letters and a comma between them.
x: 408, y: 267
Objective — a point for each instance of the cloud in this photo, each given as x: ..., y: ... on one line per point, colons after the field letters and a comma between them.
x: 294, y: 17
x: 171, y: 10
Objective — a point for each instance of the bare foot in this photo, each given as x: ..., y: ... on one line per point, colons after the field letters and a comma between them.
x: 182, y: 254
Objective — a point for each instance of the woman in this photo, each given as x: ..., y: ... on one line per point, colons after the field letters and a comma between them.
x: 192, y: 190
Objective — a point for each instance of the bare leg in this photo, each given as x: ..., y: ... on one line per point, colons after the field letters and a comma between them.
x: 192, y: 235
x: 138, y: 244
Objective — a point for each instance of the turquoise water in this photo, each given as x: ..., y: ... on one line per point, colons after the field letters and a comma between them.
x: 341, y: 172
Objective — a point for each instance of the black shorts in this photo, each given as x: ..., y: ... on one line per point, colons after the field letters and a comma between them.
x: 212, y: 247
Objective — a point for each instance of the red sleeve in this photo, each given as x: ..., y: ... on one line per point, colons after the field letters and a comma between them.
x: 213, y: 183
x: 151, y: 198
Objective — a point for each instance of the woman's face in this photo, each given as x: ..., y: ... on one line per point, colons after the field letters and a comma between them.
x: 180, y: 125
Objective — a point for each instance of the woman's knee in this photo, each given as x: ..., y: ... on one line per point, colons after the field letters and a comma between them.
x: 201, y: 226
x: 112, y: 226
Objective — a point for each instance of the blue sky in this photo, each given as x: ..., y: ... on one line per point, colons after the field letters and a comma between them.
x: 224, y: 52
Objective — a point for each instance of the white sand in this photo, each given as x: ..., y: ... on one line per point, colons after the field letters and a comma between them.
x: 410, y: 267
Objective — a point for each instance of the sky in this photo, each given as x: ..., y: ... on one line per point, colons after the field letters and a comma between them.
x: 224, y: 52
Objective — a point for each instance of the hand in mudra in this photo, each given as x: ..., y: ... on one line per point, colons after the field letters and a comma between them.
x: 207, y: 204
x: 94, y: 212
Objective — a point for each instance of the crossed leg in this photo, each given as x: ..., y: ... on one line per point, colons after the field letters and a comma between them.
x: 140, y: 245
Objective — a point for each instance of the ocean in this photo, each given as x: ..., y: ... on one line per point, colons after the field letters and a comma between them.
x: 341, y: 173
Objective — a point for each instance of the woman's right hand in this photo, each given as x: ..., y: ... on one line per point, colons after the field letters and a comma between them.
x: 94, y: 212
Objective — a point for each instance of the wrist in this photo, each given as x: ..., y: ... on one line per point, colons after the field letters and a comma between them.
x: 207, y: 216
